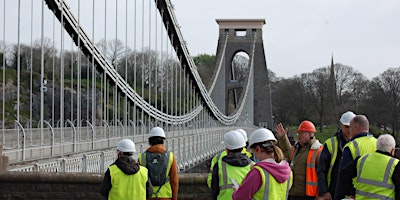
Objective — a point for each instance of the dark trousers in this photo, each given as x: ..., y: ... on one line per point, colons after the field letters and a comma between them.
x: 291, y: 197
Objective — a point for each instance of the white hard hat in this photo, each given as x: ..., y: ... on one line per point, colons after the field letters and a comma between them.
x: 261, y: 135
x: 233, y: 140
x: 157, y: 131
x: 126, y: 145
x: 346, y: 118
x: 244, y: 134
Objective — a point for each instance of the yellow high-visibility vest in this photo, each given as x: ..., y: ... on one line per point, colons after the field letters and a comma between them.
x: 127, y: 186
x: 374, y: 177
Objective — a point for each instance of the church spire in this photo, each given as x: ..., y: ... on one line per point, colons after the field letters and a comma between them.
x: 332, y: 83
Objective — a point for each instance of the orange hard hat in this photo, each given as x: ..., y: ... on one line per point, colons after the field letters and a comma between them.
x: 306, y: 126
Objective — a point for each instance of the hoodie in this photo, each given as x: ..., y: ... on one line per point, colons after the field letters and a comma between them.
x: 253, y: 181
x: 127, y: 165
x: 234, y: 159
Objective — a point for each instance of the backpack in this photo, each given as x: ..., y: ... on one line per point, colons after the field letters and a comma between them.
x: 157, y: 165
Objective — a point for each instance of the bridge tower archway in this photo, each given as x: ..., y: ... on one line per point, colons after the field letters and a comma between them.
x: 239, y: 35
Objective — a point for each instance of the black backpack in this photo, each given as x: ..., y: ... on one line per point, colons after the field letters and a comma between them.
x: 157, y: 165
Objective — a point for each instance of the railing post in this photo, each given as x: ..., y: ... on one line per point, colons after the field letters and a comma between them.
x: 134, y: 129
x: 180, y: 153
x: 91, y: 126
x: 108, y: 132
x: 52, y: 137
x: 73, y: 134
x: 102, y: 165
x: 23, y: 139
x: 84, y: 164
x: 184, y: 157
x: 36, y: 167
x: 121, y: 133
x: 62, y: 167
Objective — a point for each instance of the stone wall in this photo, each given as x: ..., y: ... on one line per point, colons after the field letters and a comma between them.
x: 40, y: 185
x: 44, y: 185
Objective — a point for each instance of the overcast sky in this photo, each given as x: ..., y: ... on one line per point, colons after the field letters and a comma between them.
x: 301, y: 35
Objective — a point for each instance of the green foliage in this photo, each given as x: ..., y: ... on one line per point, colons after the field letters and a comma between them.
x: 205, y: 66
x: 204, y: 60
x: 10, y: 74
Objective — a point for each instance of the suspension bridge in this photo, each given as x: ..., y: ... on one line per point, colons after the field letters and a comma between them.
x: 78, y: 76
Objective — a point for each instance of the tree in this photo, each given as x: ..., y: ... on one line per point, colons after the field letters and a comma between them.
x: 389, y: 84
x: 373, y: 104
x: 350, y: 88
x: 205, y: 66
x: 48, y: 50
x: 289, y: 103
x: 24, y: 56
x: 113, y: 50
x: 204, y: 60
x: 317, y: 87
x: 30, y: 56
x: 6, y: 52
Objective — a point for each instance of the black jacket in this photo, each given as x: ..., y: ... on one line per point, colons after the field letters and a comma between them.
x: 347, y: 158
x: 324, y: 163
x: 350, y: 171
x: 234, y: 159
x: 129, y: 166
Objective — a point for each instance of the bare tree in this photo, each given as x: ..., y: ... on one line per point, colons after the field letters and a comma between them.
x: 7, y: 53
x: 113, y: 50
x: 350, y: 88
x: 389, y: 82
x: 24, y: 57
x: 317, y: 87
x: 289, y: 102
x: 48, y: 50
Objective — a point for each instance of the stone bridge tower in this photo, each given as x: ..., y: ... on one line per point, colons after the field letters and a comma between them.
x: 240, y: 33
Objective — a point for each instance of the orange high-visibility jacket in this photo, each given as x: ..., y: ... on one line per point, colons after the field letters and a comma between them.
x: 311, y: 170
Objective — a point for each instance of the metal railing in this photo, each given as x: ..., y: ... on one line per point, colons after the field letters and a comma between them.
x: 189, y: 150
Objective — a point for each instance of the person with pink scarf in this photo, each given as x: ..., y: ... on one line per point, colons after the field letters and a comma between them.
x: 271, y: 177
